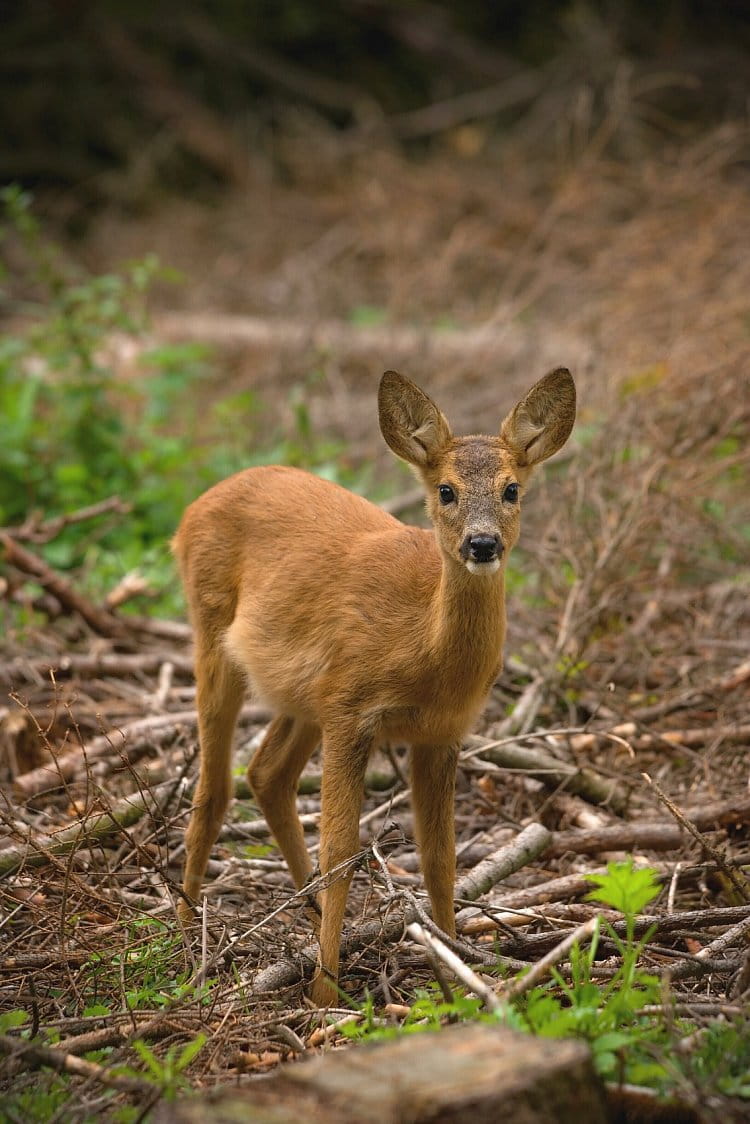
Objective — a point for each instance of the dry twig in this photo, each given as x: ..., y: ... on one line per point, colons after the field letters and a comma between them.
x: 456, y: 965
x: 740, y: 884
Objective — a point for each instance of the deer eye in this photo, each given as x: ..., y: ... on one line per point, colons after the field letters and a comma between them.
x: 446, y: 493
x: 510, y: 495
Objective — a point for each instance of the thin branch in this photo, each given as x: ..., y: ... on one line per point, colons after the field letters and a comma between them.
x: 740, y: 884
x: 558, y: 953
x: 34, y: 1056
x: 527, y: 846
x: 36, y: 530
x: 507, y: 753
x: 456, y: 965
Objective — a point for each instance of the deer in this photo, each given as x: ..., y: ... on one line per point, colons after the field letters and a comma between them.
x: 357, y: 631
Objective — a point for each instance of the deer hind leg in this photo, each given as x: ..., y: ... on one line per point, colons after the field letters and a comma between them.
x: 345, y: 756
x: 220, y: 687
x: 433, y: 779
x: 273, y: 774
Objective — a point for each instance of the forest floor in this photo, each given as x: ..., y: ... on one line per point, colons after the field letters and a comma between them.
x: 474, y: 269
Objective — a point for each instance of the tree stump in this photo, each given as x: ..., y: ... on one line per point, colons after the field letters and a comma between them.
x: 476, y: 1073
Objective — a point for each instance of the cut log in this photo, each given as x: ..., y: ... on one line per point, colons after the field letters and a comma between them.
x: 477, y: 1073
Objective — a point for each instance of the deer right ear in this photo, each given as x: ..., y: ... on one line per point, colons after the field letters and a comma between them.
x: 542, y: 421
x: 410, y: 422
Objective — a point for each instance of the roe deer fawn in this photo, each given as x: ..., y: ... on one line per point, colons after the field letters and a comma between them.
x: 357, y: 630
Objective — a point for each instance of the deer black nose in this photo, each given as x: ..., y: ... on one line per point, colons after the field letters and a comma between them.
x: 481, y: 548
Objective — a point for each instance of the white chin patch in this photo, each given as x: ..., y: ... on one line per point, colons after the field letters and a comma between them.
x: 483, y: 567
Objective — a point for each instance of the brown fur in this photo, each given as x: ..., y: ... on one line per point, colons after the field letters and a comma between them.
x: 356, y: 630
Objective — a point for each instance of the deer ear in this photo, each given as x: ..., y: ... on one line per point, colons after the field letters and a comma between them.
x: 541, y: 422
x: 410, y: 422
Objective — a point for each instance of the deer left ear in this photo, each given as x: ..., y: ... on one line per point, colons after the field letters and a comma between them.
x: 410, y: 421
x: 542, y: 421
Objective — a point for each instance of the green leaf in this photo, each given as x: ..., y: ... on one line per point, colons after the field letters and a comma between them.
x: 11, y: 1020
x: 149, y: 1058
x: 190, y: 1051
x: 614, y: 1040
x: 625, y: 887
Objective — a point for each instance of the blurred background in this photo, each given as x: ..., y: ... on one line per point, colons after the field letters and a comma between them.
x: 223, y: 221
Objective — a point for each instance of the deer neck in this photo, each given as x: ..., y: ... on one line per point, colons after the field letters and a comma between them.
x: 468, y: 618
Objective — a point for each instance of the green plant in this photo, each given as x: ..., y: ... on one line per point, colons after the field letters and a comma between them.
x: 148, y: 972
x: 430, y: 1011
x: 12, y: 1020
x: 721, y: 1060
x: 39, y: 1102
x: 63, y: 433
x: 607, y: 1015
x: 628, y: 1041
x: 78, y: 429
x: 74, y: 431
x: 167, y: 1073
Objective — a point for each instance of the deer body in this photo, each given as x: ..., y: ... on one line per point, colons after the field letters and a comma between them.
x: 357, y: 630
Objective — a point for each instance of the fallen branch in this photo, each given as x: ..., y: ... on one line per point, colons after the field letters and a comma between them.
x: 91, y: 665
x: 532, y: 945
x: 553, y: 897
x: 550, y: 890
x: 490, y: 100
x: 455, y: 964
x: 532, y: 842
x: 396, y: 504
x: 34, y: 1056
x: 736, y: 935
x: 692, y: 738
x: 551, y: 771
x: 178, y: 632
x: 625, y: 837
x: 40, y: 849
x: 34, y: 529
x: 278, y: 69
x: 34, y: 961
x: 345, y: 338
x: 100, y: 620
x: 657, y: 836
x: 117, y: 744
x: 113, y: 1036
x: 705, y: 960
x: 489, y: 920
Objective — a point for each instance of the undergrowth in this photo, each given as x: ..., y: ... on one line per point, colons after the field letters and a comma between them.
x: 146, y: 974
x: 628, y: 1020
x: 78, y: 429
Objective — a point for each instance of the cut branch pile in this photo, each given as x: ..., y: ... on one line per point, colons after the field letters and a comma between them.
x: 92, y: 842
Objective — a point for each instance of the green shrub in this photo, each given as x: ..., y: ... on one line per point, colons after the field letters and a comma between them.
x: 76, y: 431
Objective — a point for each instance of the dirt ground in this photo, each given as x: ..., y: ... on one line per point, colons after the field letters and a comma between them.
x: 474, y: 267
